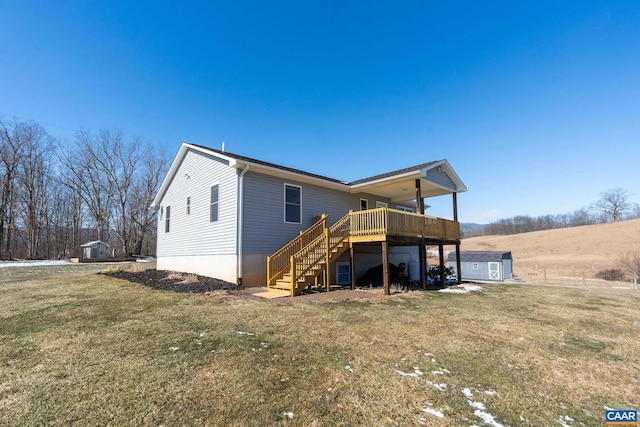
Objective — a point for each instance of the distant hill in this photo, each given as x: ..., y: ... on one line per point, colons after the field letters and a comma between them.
x: 467, y: 227
x: 564, y: 252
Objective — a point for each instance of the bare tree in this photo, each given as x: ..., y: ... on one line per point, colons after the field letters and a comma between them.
x: 82, y: 173
x: 33, y: 179
x: 630, y: 262
x: 11, y: 152
x: 142, y: 218
x: 118, y: 162
x: 613, y: 203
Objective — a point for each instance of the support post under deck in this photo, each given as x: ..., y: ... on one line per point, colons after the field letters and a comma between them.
x: 385, y: 267
x: 441, y: 256
x: 422, y: 254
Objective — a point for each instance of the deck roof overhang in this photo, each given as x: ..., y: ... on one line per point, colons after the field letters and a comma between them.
x: 401, y: 186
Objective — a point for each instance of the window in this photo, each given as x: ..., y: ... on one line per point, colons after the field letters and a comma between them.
x: 167, y: 216
x: 292, y: 204
x: 364, y: 204
x: 475, y: 265
x: 404, y: 209
x: 381, y: 204
x: 188, y: 205
x: 213, y: 205
x: 343, y: 273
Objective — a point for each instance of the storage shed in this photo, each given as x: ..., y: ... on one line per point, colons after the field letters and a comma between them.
x: 483, y: 265
x: 94, y: 250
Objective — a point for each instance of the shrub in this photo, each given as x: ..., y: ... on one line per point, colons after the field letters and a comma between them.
x: 190, y: 279
x: 612, y: 274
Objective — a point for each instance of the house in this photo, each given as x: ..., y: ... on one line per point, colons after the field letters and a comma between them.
x: 483, y: 265
x: 252, y: 222
x: 94, y: 250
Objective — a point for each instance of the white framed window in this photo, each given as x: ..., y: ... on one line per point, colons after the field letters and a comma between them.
x: 475, y: 266
x: 292, y: 204
x: 364, y: 204
x: 343, y: 273
x: 167, y: 217
x: 214, y: 201
x: 188, y: 205
x: 380, y: 204
x: 404, y: 209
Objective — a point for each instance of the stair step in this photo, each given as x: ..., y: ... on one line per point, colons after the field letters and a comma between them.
x: 281, y: 284
x: 284, y: 293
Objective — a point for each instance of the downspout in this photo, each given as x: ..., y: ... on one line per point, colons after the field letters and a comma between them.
x: 240, y: 222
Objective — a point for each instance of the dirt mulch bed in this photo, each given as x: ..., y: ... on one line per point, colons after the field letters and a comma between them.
x: 159, y: 279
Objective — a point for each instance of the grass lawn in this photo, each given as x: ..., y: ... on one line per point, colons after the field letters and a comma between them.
x: 87, y: 349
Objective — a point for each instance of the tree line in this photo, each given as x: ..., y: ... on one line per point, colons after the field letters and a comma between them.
x: 55, y: 196
x: 613, y: 205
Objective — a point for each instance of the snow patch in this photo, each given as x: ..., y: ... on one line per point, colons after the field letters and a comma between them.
x: 480, y: 410
x: 433, y: 412
x: 42, y: 263
x: 462, y: 289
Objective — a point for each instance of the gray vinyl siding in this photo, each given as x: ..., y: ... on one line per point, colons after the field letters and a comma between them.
x: 264, y: 228
x: 441, y: 179
x: 194, y: 234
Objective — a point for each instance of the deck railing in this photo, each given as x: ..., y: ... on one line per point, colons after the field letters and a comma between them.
x: 321, y: 249
x: 398, y: 223
x: 278, y: 264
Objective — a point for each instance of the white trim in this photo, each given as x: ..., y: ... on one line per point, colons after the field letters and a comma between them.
x: 380, y: 204
x: 417, y: 173
x: 284, y: 203
x: 366, y: 203
x: 494, y: 274
x: 240, y: 219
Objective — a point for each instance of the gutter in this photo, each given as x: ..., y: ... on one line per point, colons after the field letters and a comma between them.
x: 240, y: 222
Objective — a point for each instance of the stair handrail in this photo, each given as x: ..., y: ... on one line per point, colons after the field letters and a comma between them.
x: 335, y: 235
x: 278, y: 263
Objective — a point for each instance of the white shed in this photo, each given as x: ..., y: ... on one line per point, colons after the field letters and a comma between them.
x: 483, y: 265
x: 94, y: 250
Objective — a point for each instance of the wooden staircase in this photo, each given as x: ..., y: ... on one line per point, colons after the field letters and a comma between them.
x: 306, y: 259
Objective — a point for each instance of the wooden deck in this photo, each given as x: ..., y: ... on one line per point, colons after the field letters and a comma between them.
x: 308, y: 256
x: 384, y: 224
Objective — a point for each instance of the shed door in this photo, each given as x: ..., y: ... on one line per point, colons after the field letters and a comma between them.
x: 494, y: 271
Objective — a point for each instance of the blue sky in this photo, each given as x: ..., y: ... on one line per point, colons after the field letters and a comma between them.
x: 536, y: 104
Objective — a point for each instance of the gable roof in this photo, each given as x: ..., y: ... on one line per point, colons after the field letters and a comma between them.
x: 396, y: 185
x: 249, y: 160
x: 481, y: 256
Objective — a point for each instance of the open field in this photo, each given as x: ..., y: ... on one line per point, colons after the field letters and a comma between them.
x: 86, y: 349
x: 566, y: 254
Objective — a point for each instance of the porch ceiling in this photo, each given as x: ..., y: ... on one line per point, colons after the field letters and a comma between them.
x: 402, y: 188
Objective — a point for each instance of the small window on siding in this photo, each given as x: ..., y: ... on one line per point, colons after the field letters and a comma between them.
x: 364, y: 204
x: 380, y: 204
x: 167, y: 217
x: 188, y: 205
x: 213, y: 206
x: 292, y: 204
x: 404, y: 209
